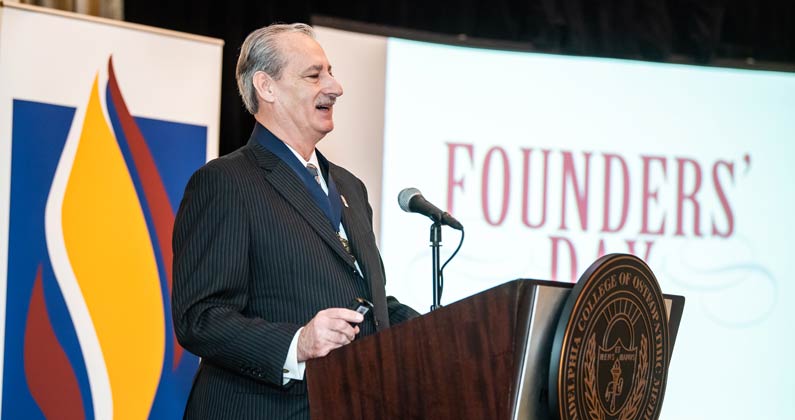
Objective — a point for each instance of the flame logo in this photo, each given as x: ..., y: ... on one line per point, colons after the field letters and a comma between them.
x: 103, y: 263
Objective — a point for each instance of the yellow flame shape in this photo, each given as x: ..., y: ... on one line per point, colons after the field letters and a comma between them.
x: 111, y: 253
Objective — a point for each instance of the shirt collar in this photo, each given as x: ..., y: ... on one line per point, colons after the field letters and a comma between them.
x: 312, y: 158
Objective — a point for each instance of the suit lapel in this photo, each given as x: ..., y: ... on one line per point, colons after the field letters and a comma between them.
x: 356, y: 222
x: 293, y: 190
x: 357, y: 235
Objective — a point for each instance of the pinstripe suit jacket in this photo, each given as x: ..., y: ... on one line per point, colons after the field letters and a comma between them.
x: 255, y: 259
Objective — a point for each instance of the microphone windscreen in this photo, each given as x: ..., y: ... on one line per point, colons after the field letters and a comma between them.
x: 405, y: 196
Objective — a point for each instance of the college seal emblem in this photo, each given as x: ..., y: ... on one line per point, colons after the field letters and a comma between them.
x: 611, y: 350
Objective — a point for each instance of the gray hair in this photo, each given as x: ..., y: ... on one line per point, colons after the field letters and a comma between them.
x: 260, y: 52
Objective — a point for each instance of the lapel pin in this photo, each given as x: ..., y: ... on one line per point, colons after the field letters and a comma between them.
x: 344, y: 201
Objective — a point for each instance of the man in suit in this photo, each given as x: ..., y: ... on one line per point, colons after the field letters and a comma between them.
x: 272, y: 242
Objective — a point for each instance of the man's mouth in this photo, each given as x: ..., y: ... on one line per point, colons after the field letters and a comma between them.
x: 325, y: 105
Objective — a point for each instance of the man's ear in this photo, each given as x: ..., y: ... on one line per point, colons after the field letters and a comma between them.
x: 263, y: 83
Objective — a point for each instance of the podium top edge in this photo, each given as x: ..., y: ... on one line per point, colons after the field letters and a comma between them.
x: 111, y: 22
x: 539, y: 282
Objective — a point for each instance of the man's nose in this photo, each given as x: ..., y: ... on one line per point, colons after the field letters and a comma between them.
x: 332, y: 87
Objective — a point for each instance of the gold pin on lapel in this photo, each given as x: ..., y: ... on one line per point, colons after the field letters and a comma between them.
x: 344, y: 201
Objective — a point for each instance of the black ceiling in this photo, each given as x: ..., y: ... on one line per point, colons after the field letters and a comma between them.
x: 696, y: 31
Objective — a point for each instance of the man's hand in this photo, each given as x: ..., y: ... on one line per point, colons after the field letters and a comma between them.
x: 328, y: 330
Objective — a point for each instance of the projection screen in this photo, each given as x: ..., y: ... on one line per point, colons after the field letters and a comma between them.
x: 550, y: 161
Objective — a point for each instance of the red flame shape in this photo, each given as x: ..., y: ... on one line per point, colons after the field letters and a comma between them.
x: 51, y: 379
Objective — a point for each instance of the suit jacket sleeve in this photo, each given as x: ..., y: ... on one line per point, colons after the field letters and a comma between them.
x: 211, y: 282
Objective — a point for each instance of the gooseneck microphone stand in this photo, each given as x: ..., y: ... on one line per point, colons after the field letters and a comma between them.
x: 412, y: 201
x: 436, y: 240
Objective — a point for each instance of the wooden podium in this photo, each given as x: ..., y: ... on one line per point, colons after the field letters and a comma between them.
x: 485, y: 357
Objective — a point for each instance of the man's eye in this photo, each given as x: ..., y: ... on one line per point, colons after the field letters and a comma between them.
x: 313, y: 76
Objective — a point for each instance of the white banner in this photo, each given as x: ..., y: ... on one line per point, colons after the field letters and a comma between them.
x: 101, y: 124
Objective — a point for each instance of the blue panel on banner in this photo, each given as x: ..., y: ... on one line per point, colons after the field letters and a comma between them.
x: 39, y: 132
x: 178, y: 149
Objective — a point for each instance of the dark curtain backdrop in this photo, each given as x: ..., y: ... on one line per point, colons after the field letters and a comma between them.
x: 695, y: 31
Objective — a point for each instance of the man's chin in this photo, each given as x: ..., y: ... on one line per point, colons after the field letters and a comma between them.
x: 325, y: 128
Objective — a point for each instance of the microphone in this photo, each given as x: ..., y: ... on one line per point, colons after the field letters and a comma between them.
x: 412, y: 201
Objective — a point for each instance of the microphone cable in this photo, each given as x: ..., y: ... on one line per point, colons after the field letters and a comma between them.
x: 440, y: 285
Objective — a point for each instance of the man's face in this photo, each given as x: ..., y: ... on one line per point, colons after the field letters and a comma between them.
x: 306, y: 91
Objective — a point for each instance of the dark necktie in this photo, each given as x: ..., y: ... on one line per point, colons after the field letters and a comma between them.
x: 314, y: 172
